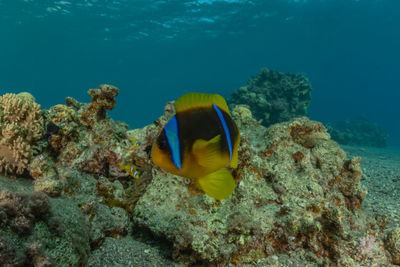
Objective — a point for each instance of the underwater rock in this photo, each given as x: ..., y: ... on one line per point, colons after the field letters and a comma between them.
x: 102, y: 204
x: 9, y: 256
x: 21, y: 128
x: 297, y: 194
x: 274, y: 96
x: 38, y: 229
x: 44, y: 172
x: 37, y: 256
x: 20, y: 212
x: 393, y: 244
x: 358, y: 132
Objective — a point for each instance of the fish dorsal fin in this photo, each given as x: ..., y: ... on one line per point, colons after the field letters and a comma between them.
x: 197, y: 100
x: 208, y: 153
x: 218, y: 184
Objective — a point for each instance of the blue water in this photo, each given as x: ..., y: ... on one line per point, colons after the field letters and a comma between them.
x: 154, y: 51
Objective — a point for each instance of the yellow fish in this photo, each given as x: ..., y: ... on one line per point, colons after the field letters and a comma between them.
x: 200, y: 142
x: 130, y: 169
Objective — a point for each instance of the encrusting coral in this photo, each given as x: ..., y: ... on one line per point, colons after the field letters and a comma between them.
x: 274, y: 96
x: 21, y: 128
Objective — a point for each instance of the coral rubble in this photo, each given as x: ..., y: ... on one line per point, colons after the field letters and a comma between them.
x: 358, y: 132
x: 274, y: 96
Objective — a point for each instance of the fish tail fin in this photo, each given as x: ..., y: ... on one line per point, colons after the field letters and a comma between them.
x: 218, y: 184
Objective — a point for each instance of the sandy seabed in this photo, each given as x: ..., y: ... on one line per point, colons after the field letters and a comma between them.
x: 381, y: 176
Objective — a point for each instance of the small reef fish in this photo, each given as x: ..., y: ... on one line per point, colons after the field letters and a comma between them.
x: 130, y: 169
x: 200, y: 142
x: 135, y: 142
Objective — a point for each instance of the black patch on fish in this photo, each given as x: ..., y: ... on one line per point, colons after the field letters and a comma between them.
x: 163, y: 145
x: 204, y: 123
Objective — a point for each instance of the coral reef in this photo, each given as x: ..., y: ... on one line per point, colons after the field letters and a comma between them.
x: 21, y: 128
x: 79, y: 161
x: 298, y: 199
x: 358, y: 132
x: 274, y: 96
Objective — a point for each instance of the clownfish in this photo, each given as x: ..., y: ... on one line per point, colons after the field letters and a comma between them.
x: 130, y: 169
x: 200, y: 142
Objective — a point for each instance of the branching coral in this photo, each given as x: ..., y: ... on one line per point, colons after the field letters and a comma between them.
x: 21, y: 127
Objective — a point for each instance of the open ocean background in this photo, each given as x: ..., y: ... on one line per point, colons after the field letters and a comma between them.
x: 155, y: 51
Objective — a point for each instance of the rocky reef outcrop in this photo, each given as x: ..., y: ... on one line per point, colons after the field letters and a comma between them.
x: 274, y: 96
x: 75, y: 162
x: 298, y: 199
x: 358, y: 132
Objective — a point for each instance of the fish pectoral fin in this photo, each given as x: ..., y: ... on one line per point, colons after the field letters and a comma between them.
x: 219, y: 184
x: 208, y: 153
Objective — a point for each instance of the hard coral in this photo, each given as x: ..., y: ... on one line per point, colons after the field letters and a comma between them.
x: 275, y: 96
x: 21, y: 127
